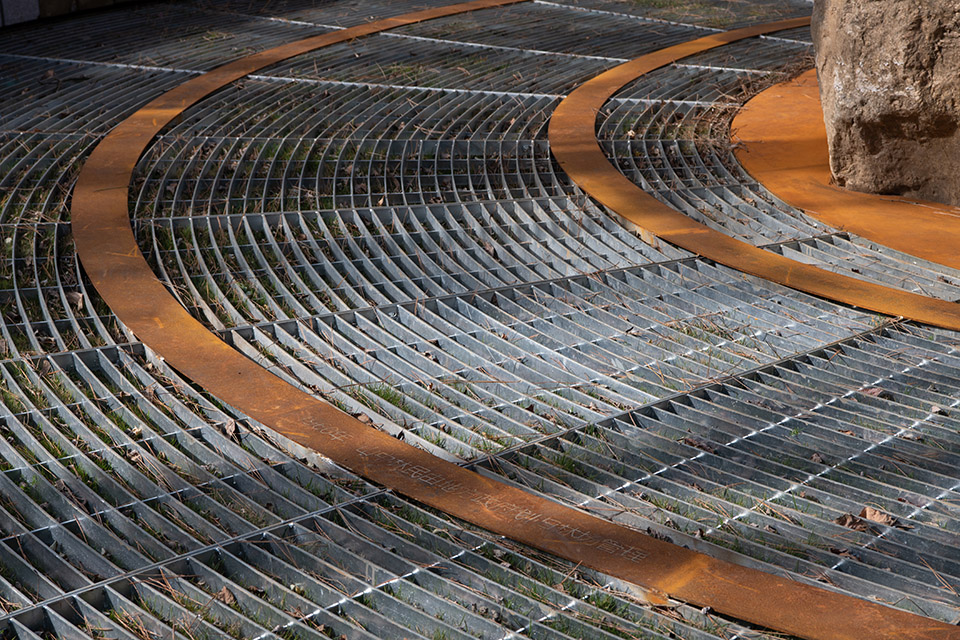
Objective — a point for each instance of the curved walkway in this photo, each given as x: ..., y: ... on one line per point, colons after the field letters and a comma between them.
x: 114, y: 263
x: 575, y: 146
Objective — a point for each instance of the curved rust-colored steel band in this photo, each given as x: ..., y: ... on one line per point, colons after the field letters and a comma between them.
x: 107, y: 246
x: 574, y: 143
x: 783, y: 144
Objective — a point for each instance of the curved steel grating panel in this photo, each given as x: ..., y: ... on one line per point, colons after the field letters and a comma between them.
x: 381, y: 223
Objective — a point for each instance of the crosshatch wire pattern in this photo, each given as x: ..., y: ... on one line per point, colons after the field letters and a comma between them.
x: 380, y: 222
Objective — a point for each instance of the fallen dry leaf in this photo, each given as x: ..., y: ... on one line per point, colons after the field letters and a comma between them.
x: 75, y: 298
x: 852, y: 522
x: 868, y: 515
x: 877, y: 392
x: 699, y: 444
x: 874, y: 515
x: 226, y: 597
x: 845, y: 553
x: 230, y: 429
x: 816, y: 457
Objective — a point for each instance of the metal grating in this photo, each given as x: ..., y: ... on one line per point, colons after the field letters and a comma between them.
x: 382, y: 224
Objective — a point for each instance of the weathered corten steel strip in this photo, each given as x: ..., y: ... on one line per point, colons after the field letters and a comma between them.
x: 783, y: 144
x: 574, y: 143
x: 110, y: 255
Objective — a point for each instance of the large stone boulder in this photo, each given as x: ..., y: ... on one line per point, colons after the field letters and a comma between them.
x: 889, y: 73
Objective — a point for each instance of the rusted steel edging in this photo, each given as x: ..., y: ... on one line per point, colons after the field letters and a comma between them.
x: 108, y: 250
x: 782, y: 142
x: 574, y: 143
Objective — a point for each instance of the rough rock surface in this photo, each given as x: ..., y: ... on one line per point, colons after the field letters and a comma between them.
x: 889, y: 73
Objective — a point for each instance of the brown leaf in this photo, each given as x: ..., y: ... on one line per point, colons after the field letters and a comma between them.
x: 816, y: 457
x: 699, y: 444
x: 877, y: 392
x: 230, y: 429
x: 877, y: 516
x: 226, y: 597
x: 847, y: 432
x: 362, y: 417
x: 75, y: 298
x: 874, y: 515
x: 852, y: 522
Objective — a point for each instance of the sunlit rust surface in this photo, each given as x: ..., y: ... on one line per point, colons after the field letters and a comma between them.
x: 574, y: 143
x: 782, y: 142
x: 108, y: 249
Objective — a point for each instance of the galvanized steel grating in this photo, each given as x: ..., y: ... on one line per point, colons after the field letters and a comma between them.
x: 381, y: 223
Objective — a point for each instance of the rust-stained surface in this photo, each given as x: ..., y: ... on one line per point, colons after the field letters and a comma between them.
x: 111, y: 258
x: 783, y: 144
x: 574, y: 143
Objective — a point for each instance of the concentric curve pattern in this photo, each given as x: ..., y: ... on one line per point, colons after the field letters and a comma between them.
x: 381, y: 223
